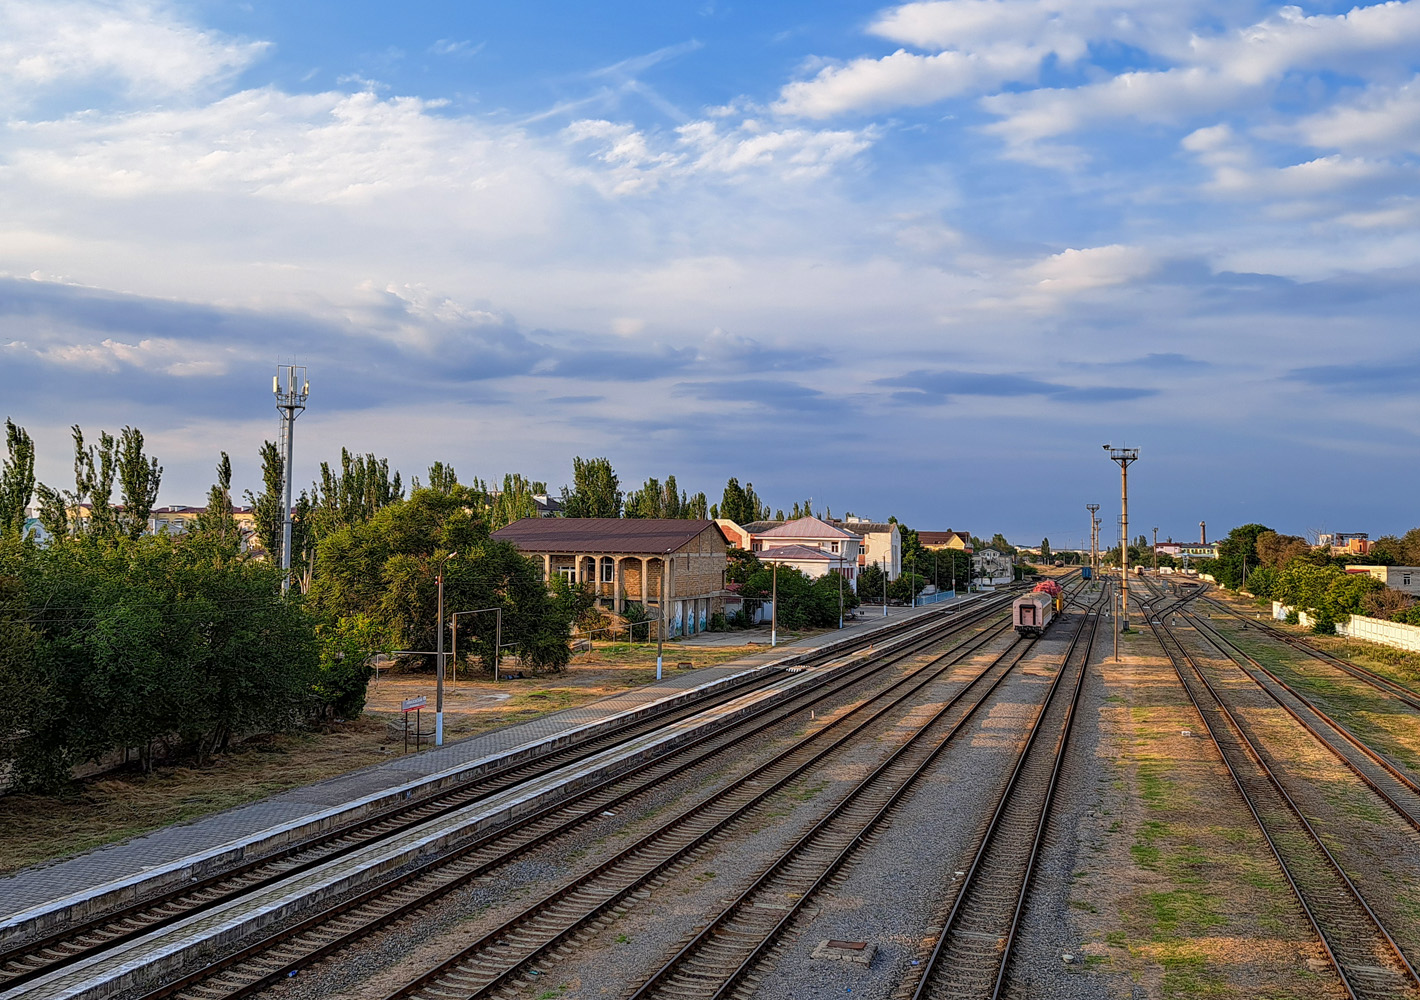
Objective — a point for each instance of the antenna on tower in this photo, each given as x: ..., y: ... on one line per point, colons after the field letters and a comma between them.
x: 291, y: 401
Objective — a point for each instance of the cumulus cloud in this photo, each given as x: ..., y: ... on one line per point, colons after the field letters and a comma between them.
x: 141, y: 45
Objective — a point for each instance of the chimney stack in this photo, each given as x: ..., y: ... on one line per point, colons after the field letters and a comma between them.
x: 1202, y: 532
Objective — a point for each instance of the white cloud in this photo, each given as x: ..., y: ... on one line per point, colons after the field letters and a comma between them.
x: 1384, y: 120
x: 155, y: 354
x: 904, y: 79
x: 1223, y: 71
x: 144, y: 46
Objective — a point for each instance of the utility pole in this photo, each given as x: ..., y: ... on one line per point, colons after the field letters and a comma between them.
x: 1156, y: 551
x: 290, y: 400
x: 774, y: 609
x: 439, y: 680
x: 883, y: 564
x: 1094, y: 537
x: 1124, y: 457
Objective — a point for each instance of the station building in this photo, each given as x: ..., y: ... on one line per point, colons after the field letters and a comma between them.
x: 675, y: 564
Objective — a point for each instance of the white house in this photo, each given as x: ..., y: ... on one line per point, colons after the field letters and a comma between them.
x: 811, y: 545
x: 881, y: 543
x: 991, y: 568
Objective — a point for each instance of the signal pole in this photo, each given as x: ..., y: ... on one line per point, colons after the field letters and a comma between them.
x: 1094, y: 538
x: 1156, y: 551
x: 290, y: 400
x: 1124, y: 457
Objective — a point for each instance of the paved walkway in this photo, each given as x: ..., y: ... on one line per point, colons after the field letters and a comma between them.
x: 39, y: 884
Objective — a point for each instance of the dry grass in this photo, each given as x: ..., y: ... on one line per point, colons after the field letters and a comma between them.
x: 124, y: 804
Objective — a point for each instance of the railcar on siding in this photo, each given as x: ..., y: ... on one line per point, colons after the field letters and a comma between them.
x: 1032, y: 613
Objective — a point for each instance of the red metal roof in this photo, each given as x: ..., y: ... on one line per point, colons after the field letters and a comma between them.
x: 655, y: 536
x: 805, y: 527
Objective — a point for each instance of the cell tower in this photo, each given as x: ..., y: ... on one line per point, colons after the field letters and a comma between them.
x: 290, y: 400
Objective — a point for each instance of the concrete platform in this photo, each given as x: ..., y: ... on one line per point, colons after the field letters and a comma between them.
x: 207, y: 935
x: 39, y: 901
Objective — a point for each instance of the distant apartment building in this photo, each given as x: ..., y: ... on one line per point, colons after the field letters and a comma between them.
x: 881, y: 543
x: 1405, y: 579
x: 1351, y: 543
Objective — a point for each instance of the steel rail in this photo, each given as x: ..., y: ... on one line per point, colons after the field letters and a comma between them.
x: 505, y: 953
x: 992, y: 893
x: 1410, y: 814
x: 727, y: 950
x: 1379, y: 681
x: 46, y: 955
x: 713, y: 962
x: 1355, y: 943
x: 279, y: 954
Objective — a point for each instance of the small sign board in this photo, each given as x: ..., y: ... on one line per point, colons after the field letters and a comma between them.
x: 411, y: 704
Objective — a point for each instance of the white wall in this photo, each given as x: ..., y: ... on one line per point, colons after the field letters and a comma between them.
x: 1374, y: 630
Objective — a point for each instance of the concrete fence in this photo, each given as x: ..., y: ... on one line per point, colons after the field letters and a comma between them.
x: 1360, y: 627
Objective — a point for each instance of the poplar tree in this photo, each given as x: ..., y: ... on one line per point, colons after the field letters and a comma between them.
x: 17, y: 479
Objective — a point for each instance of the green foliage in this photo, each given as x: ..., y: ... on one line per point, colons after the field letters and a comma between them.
x: 132, y: 642
x: 139, y: 477
x: 1262, y: 582
x: 595, y: 492
x: 742, y: 504
x: 386, y: 568
x: 1329, y: 593
x: 1239, y: 549
x: 1045, y: 550
x: 343, y: 677
x: 906, y: 587
x: 266, y: 508
x: 513, y: 502
x: 1389, y: 550
x: 803, y: 602
x: 870, y: 582
x: 17, y: 479
x: 216, y: 519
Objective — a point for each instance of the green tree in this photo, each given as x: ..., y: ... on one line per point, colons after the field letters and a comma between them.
x: 735, y: 503
x: 17, y: 479
x: 870, y: 583
x: 1235, y: 552
x: 595, y: 492
x: 266, y: 507
x: 216, y: 519
x: 442, y: 478
x: 1045, y: 556
x: 386, y: 569
x: 513, y: 503
x: 139, y: 477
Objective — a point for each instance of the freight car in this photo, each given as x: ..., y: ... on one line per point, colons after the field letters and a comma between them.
x: 1032, y: 613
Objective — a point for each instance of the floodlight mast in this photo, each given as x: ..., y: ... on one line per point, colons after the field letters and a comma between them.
x: 290, y: 400
x: 1124, y: 457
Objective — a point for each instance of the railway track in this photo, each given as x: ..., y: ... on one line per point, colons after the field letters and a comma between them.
x: 1387, y: 779
x: 1381, y: 683
x: 501, y: 957
x: 973, y: 952
x: 335, y: 928
x: 1367, y: 960
x: 55, y: 952
x: 720, y: 958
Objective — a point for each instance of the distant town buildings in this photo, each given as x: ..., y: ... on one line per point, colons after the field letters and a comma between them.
x: 1355, y: 543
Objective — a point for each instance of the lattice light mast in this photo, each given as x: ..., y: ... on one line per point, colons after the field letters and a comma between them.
x: 1094, y: 537
x: 290, y: 400
x: 1125, y: 457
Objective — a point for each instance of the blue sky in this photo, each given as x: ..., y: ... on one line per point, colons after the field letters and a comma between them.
x: 917, y: 259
